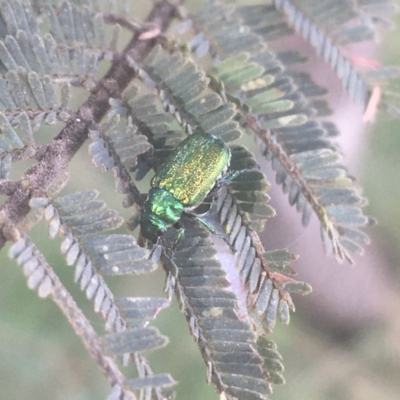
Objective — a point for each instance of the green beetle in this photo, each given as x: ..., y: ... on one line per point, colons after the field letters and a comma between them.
x: 192, y: 170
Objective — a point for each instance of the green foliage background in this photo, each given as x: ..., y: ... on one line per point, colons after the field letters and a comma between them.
x: 41, y: 358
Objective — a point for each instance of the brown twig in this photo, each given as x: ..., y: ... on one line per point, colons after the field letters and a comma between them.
x: 62, y: 149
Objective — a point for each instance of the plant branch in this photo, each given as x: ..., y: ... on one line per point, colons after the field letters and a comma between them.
x: 61, y: 150
x: 293, y: 171
x: 47, y: 284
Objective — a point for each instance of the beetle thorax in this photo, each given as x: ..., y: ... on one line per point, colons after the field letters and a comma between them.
x: 160, y: 211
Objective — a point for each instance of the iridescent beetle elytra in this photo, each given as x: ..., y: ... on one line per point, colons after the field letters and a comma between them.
x: 192, y: 170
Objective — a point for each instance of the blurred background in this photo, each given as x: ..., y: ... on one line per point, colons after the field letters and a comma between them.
x: 342, y: 342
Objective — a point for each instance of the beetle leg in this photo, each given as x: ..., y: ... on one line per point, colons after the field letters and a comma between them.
x: 156, y: 250
x: 214, y: 193
x: 181, y: 233
x: 213, y: 231
x: 226, y: 180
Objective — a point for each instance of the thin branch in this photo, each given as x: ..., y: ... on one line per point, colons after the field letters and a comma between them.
x: 8, y: 187
x: 77, y: 319
x: 293, y: 171
x: 284, y: 159
x: 131, y: 24
x: 61, y: 150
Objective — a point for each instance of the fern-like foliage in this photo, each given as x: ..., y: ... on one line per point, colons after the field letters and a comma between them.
x: 301, y: 151
x: 158, y: 88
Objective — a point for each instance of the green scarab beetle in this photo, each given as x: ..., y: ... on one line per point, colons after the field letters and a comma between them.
x: 196, y: 165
